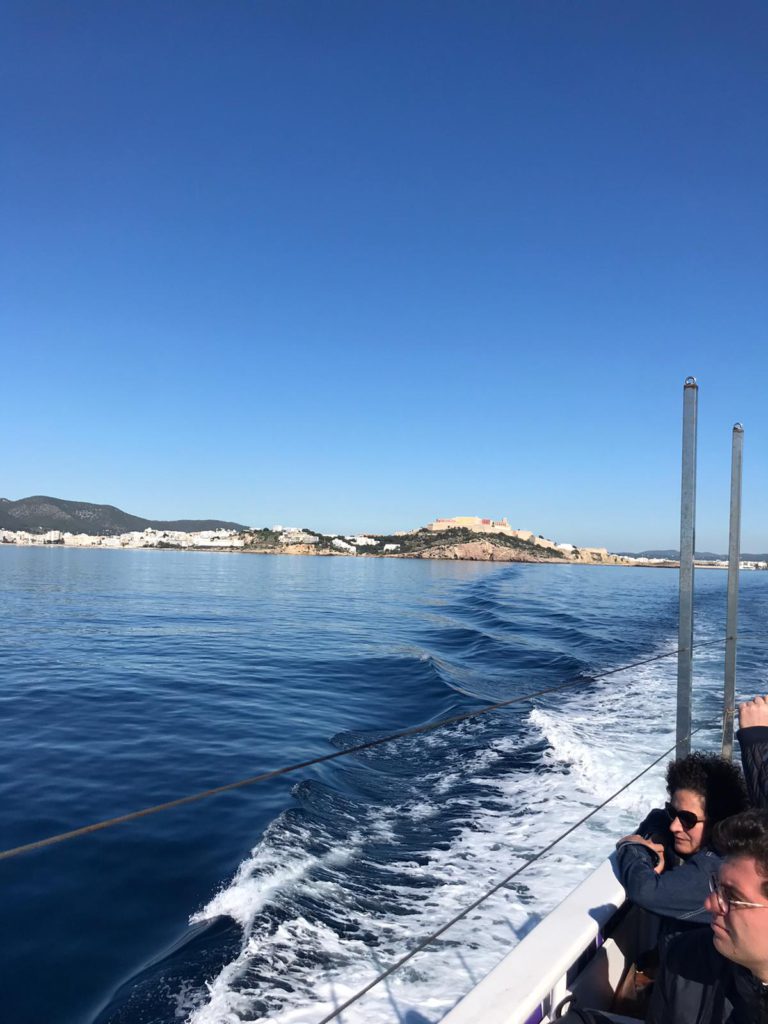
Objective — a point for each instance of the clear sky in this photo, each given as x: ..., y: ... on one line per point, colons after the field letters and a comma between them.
x: 354, y: 265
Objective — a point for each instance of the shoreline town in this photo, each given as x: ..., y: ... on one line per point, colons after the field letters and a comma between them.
x: 466, y: 538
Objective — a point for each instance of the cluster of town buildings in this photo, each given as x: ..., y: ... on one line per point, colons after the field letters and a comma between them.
x: 291, y: 536
x: 288, y: 537
x: 136, y: 539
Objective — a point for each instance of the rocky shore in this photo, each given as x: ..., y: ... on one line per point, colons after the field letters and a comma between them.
x: 481, y: 551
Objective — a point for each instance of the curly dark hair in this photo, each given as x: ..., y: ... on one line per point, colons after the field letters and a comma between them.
x: 745, y: 835
x: 718, y: 781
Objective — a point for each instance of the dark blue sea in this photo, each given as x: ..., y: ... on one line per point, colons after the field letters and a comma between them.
x: 129, y: 678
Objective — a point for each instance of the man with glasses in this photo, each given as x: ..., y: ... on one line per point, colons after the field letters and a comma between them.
x: 719, y: 975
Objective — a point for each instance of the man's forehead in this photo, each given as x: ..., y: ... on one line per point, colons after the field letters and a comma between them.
x: 741, y: 871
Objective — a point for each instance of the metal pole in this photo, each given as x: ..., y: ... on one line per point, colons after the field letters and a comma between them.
x: 687, y: 546
x: 732, y: 615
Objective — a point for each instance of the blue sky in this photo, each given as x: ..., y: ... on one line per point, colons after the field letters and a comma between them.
x: 357, y: 265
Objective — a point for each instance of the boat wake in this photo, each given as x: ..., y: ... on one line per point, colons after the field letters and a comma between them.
x: 396, y: 840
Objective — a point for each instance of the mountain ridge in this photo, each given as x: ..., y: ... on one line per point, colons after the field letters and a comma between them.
x: 40, y: 513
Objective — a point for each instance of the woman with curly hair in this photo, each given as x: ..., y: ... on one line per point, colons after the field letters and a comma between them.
x: 666, y: 865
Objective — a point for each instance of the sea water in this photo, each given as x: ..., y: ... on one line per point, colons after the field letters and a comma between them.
x: 129, y: 678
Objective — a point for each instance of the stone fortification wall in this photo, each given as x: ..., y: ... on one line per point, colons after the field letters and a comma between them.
x: 489, y: 526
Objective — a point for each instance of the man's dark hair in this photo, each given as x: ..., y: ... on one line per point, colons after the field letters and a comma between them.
x: 745, y: 835
x: 718, y: 781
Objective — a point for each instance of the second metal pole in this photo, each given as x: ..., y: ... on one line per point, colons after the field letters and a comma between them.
x: 687, y: 547
x: 732, y: 615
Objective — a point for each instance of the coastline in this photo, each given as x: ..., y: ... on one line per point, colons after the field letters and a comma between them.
x: 52, y: 522
x: 468, y: 539
x: 451, y: 553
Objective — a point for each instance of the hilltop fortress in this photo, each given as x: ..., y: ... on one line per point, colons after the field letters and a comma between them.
x: 502, y: 527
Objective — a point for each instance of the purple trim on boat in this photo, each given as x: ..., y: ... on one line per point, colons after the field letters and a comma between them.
x: 537, y: 1016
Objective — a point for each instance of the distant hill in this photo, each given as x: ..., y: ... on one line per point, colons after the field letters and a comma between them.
x: 704, y: 556
x: 41, y: 513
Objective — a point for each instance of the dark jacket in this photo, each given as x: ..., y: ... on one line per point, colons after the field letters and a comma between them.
x: 696, y: 985
x: 677, y: 895
x: 754, y: 760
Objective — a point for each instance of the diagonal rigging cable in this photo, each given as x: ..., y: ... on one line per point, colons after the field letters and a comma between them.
x: 356, y: 749
x: 423, y: 943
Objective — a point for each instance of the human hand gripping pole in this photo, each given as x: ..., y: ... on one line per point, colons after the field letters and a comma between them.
x: 753, y: 712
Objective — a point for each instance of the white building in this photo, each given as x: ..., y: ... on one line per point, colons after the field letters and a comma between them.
x: 294, y: 536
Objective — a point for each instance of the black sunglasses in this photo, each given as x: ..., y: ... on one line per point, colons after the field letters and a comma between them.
x: 687, y: 819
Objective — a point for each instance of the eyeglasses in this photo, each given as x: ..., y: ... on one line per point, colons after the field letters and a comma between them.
x: 725, y: 902
x: 687, y: 819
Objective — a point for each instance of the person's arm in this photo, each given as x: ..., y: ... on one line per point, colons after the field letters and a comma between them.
x: 753, y: 739
x: 656, y: 850
x: 653, y: 833
x: 679, y: 893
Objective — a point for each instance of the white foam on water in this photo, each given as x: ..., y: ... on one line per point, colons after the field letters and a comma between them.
x: 419, y: 810
x: 595, y: 742
x: 248, y: 892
